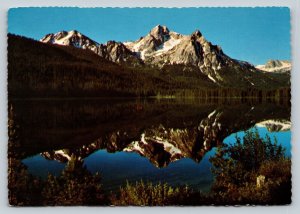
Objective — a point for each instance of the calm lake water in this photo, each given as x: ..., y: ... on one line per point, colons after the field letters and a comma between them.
x: 165, y: 140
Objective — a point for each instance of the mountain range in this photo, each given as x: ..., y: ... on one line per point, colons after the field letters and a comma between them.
x: 163, y: 48
x: 163, y: 62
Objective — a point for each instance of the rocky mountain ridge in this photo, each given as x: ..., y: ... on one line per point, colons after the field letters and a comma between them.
x: 168, y: 50
x: 71, y: 38
x: 276, y: 66
x: 112, y: 51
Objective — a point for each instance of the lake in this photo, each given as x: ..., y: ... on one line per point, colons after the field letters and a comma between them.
x: 157, y: 140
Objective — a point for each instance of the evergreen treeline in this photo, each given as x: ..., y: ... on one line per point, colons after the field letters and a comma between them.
x: 36, y: 69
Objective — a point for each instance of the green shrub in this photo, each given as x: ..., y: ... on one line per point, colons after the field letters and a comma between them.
x: 238, y: 168
x: 76, y: 186
x: 144, y: 194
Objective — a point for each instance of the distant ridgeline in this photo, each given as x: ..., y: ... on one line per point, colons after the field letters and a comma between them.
x: 162, y: 63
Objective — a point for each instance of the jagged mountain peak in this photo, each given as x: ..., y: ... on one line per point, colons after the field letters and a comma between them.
x: 159, y: 30
x: 74, y: 32
x: 196, y: 34
x: 60, y: 36
x: 157, y: 36
x: 112, y: 42
x: 164, y: 47
x: 71, y: 38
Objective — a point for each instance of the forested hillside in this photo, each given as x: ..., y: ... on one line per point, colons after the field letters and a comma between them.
x: 37, y: 69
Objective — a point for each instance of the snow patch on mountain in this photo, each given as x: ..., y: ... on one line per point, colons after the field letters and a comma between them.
x: 135, y: 47
x: 168, y: 45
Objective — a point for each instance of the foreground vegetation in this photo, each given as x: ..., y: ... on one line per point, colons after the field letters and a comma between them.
x: 251, y: 171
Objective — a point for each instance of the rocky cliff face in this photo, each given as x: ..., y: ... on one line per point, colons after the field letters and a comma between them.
x: 117, y: 52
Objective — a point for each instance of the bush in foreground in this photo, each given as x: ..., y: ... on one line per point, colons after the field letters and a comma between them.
x: 252, y: 171
x: 149, y: 194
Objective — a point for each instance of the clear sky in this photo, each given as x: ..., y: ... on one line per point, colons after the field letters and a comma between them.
x: 252, y: 34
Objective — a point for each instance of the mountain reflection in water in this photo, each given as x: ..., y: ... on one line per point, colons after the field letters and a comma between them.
x: 165, y: 140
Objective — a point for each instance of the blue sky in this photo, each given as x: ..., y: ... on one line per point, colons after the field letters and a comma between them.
x: 252, y: 34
